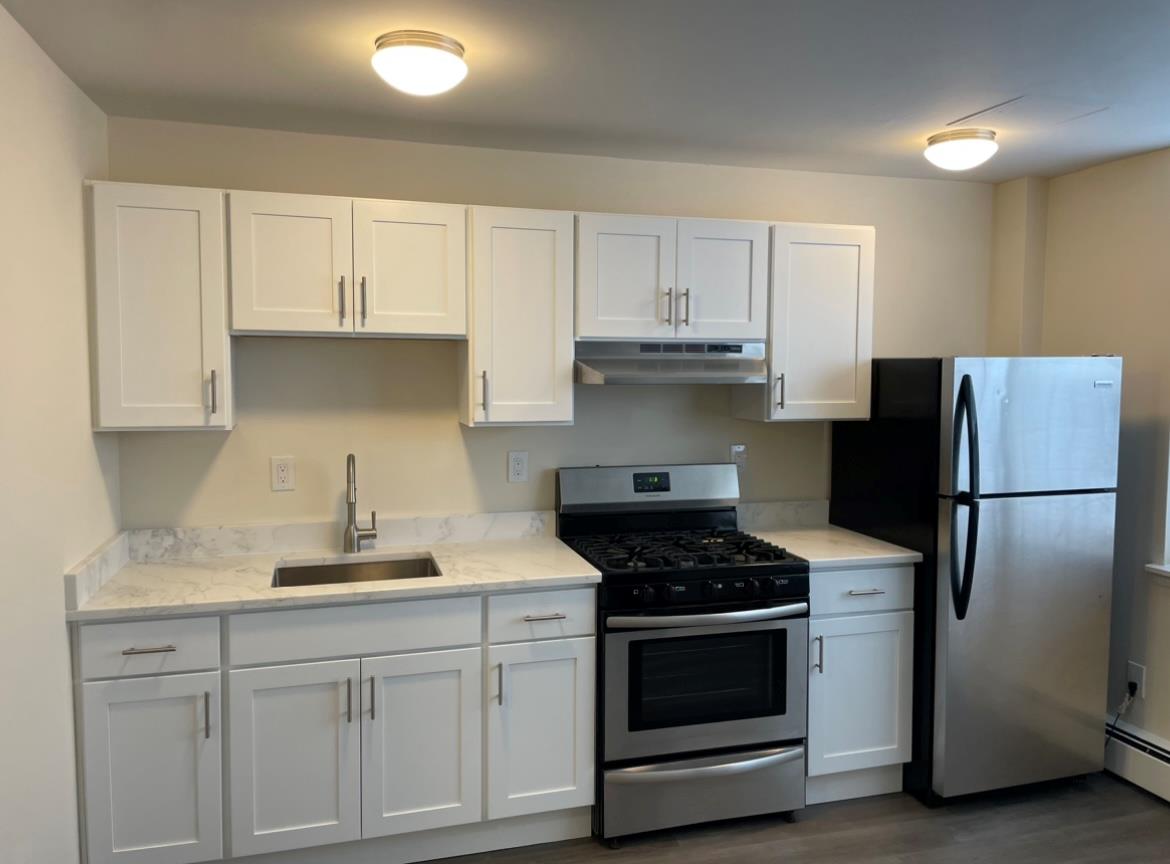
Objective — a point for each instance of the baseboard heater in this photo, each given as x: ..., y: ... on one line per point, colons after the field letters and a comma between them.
x: 1137, y: 759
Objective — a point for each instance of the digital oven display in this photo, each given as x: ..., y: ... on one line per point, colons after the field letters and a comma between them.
x: 646, y: 482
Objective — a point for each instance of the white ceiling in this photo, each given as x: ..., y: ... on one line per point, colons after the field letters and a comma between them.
x: 841, y: 85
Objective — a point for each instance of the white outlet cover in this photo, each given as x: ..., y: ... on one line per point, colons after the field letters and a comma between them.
x: 517, y: 466
x: 739, y: 455
x: 1137, y: 672
x: 283, y: 470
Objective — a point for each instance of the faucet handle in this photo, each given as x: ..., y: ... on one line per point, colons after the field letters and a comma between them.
x: 373, y: 520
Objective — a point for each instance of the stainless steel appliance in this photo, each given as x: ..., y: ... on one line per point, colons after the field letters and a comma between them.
x: 702, y: 696
x: 1002, y: 472
x: 671, y: 363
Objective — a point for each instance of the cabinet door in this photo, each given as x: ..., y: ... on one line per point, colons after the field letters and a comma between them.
x: 540, y: 726
x: 295, y: 759
x: 521, y: 362
x: 160, y: 293
x: 410, y: 263
x: 292, y: 263
x: 722, y: 279
x: 625, y: 281
x: 860, y: 679
x: 822, y: 322
x: 421, y: 741
x: 152, y: 769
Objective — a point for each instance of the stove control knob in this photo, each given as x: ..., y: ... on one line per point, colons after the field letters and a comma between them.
x: 680, y: 592
x: 772, y: 586
x: 650, y: 595
x: 714, y: 589
x: 745, y: 589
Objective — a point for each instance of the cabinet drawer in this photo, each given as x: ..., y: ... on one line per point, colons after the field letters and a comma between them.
x: 149, y: 647
x: 351, y: 631
x: 541, y: 615
x: 865, y: 589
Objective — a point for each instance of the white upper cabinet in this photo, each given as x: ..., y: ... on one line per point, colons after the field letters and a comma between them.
x: 722, y: 279
x: 519, y: 365
x: 410, y: 263
x: 626, y: 276
x: 292, y: 263
x: 160, y: 290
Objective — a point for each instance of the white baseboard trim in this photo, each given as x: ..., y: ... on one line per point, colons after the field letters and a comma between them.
x: 1139, y: 757
x: 853, y: 784
x: 445, y: 842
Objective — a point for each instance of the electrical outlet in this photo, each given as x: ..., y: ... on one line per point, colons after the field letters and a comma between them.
x: 739, y: 455
x: 284, y: 473
x: 1136, y: 673
x: 517, y: 466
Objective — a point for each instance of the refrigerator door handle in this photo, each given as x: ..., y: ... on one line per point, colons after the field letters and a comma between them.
x: 962, y: 578
x: 965, y: 411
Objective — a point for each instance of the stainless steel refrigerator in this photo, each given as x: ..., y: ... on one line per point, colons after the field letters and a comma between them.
x: 1003, y: 473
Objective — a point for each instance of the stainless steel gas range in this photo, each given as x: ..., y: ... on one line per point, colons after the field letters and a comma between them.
x: 702, y: 688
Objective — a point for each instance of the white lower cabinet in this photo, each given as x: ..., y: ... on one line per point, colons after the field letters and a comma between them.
x: 422, y: 751
x: 295, y: 756
x: 540, y: 726
x: 859, y: 696
x: 152, y: 769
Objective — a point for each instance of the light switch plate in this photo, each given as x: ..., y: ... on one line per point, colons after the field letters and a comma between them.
x: 284, y: 473
x: 517, y: 466
x: 739, y: 455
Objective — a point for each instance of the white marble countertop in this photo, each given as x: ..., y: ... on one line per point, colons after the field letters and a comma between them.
x: 244, y: 582
x: 833, y: 548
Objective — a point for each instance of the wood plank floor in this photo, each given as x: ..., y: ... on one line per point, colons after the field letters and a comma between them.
x: 1084, y: 821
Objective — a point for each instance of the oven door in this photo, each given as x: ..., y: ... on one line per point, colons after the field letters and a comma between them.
x: 680, y: 683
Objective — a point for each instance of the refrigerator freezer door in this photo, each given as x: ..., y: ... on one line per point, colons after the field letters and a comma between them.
x: 1045, y: 423
x: 1020, y: 684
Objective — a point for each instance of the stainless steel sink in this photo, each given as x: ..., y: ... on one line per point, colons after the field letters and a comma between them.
x: 356, y: 571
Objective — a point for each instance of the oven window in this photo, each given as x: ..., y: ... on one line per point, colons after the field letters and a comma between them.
x: 707, y: 679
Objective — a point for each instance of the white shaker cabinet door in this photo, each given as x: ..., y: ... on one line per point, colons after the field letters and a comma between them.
x: 625, y: 276
x: 422, y: 751
x: 410, y: 267
x: 292, y: 263
x: 520, y: 363
x: 540, y: 726
x: 295, y: 756
x: 152, y: 769
x: 722, y: 279
x: 160, y: 292
x: 860, y: 688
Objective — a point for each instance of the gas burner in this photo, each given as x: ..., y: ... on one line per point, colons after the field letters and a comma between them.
x: 665, y: 551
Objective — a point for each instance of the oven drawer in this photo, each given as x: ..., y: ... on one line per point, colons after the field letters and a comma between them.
x: 864, y: 589
x: 541, y: 615
x: 666, y: 794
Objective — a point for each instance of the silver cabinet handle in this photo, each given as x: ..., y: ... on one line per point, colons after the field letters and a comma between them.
x: 555, y: 616
x: 160, y: 649
x: 214, y: 398
x: 500, y: 681
x: 363, y: 301
x: 373, y: 690
x: 658, y: 622
x: 670, y: 305
x: 485, y: 394
x: 663, y: 774
x: 868, y: 592
x: 780, y: 384
x: 820, y: 664
x: 348, y: 700
x: 686, y: 296
x: 341, y: 300
x: 206, y: 713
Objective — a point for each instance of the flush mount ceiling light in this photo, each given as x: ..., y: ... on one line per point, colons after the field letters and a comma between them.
x: 960, y: 149
x: 419, y: 62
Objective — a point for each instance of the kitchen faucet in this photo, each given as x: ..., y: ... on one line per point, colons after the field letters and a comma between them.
x: 354, y: 535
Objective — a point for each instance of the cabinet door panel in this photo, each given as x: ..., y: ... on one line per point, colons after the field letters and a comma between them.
x: 295, y: 766
x: 413, y: 258
x: 822, y: 308
x: 152, y: 769
x: 421, y: 741
x: 292, y: 263
x: 626, y: 267
x: 160, y: 292
x: 540, y: 726
x: 722, y: 279
x: 859, y: 700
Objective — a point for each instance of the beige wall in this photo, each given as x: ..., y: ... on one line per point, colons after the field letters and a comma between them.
x: 60, y: 482
x: 1016, y: 308
x: 394, y: 403
x: 1107, y: 290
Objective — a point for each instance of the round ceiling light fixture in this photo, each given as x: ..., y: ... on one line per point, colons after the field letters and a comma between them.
x: 960, y: 149
x: 419, y: 62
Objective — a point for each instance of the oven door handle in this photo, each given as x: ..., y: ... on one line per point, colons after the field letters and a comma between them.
x: 660, y: 774
x: 740, y: 616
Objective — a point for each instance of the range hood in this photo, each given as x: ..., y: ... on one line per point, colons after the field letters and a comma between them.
x: 671, y: 363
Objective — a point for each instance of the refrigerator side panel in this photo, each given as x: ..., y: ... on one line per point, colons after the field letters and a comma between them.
x: 1021, y: 682
x: 1045, y: 424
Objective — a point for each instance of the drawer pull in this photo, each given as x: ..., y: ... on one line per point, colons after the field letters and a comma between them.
x: 554, y: 616
x: 868, y: 592
x: 160, y: 649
